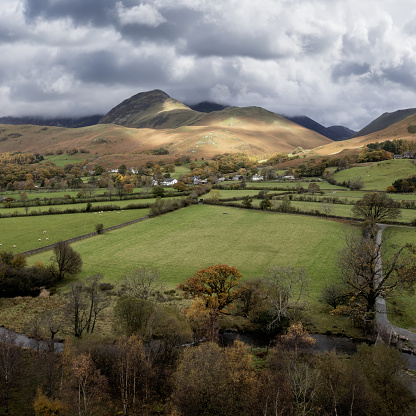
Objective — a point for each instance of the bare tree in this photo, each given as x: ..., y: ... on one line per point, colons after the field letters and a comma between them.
x: 85, y: 302
x: 285, y: 287
x: 10, y: 359
x: 67, y: 260
x: 361, y: 272
x: 143, y: 282
x: 327, y: 207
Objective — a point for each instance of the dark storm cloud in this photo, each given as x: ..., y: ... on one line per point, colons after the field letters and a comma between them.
x: 341, y: 62
x: 104, y: 67
x: 98, y: 12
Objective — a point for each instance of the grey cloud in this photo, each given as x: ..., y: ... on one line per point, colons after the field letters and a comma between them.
x: 347, y: 69
x: 99, y: 12
x: 104, y: 67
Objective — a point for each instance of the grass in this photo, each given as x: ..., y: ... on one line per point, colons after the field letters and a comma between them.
x: 378, y: 175
x: 402, y: 306
x: 184, y: 241
x: 24, y: 232
x: 61, y: 207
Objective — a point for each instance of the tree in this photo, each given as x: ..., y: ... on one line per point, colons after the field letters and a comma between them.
x: 132, y: 368
x: 286, y: 286
x: 85, y: 303
x: 218, y: 286
x: 43, y: 406
x: 376, y: 207
x: 313, y: 188
x: 158, y: 190
x: 143, y: 282
x: 68, y: 261
x: 361, y: 272
x: 247, y: 201
x: 179, y: 186
x: 10, y: 361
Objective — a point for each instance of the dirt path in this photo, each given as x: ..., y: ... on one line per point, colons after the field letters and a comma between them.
x: 394, y: 332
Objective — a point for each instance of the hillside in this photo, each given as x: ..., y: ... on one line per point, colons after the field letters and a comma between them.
x: 404, y: 129
x: 384, y: 121
x: 333, y: 132
x: 156, y: 120
x: 152, y: 109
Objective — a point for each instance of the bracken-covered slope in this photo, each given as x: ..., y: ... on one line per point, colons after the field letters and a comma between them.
x: 404, y: 129
x: 384, y: 121
x: 151, y: 109
x: 153, y: 120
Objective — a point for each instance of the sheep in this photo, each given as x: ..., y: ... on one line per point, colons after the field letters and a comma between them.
x: 39, y: 239
x: 47, y: 238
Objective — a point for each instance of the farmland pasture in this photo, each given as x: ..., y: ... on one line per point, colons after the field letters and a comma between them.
x: 379, y: 175
x: 402, y: 306
x: 25, y: 232
x: 181, y: 242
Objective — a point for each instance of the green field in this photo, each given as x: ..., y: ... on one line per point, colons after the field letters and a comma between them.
x: 402, y: 307
x: 24, y: 232
x: 62, y: 207
x: 379, y: 175
x: 181, y: 242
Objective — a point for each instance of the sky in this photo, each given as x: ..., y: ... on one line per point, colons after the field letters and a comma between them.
x: 340, y: 62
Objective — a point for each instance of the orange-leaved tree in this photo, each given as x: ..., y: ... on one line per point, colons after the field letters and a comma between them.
x: 218, y: 286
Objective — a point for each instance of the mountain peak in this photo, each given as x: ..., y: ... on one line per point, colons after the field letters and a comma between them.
x: 147, y: 110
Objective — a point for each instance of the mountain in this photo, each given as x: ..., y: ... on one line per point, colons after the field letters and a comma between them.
x: 152, y: 109
x: 334, y: 132
x: 74, y: 122
x: 405, y: 129
x: 151, y: 120
x: 207, y: 107
x: 385, y: 120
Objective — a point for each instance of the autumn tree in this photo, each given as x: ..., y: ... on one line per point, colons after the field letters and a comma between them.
x: 67, y: 260
x: 214, y: 381
x: 376, y: 207
x: 218, y: 286
x: 88, y: 382
x: 132, y: 369
x: 44, y: 406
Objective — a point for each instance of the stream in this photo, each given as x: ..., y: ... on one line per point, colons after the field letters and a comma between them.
x: 22, y: 340
x: 324, y: 343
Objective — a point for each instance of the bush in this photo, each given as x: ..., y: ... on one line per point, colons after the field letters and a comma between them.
x: 99, y: 228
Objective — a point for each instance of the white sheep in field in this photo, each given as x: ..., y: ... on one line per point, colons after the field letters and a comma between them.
x: 14, y: 245
x: 44, y: 232
x: 47, y: 238
x: 39, y: 239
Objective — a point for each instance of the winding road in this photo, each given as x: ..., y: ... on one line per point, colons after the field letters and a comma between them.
x: 382, y: 320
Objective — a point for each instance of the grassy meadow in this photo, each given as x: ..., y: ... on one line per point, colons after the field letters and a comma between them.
x: 402, y: 306
x: 378, y: 175
x: 25, y: 232
x: 181, y: 242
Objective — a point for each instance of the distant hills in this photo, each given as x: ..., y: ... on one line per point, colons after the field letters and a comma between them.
x: 151, y: 120
x: 334, y: 132
x: 70, y: 122
x: 385, y: 120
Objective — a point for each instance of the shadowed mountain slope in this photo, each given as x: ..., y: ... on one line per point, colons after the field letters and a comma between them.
x: 384, y: 121
x: 404, y: 129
